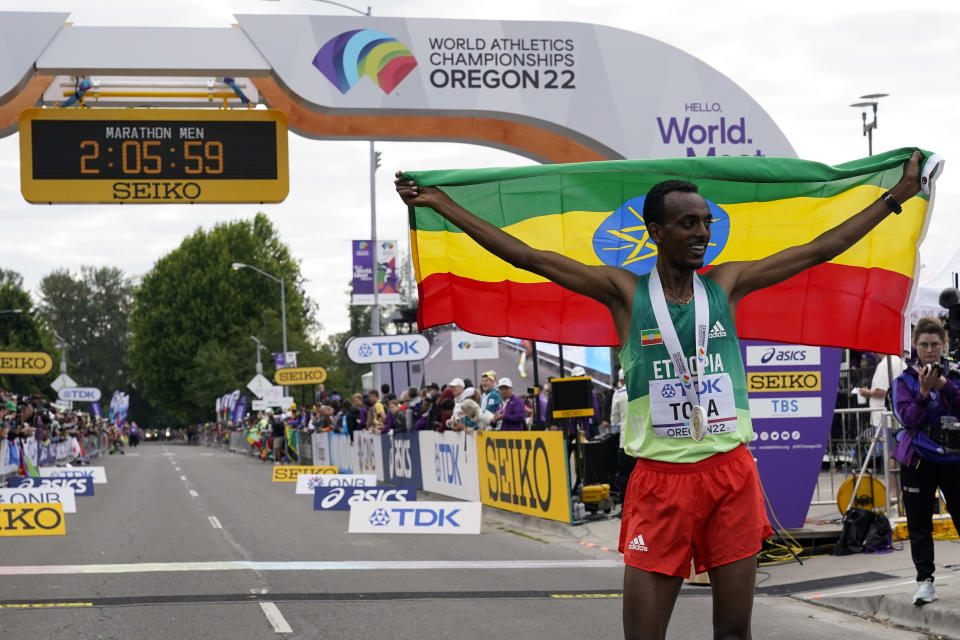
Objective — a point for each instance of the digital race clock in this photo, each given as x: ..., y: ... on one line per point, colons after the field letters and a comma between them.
x: 153, y: 155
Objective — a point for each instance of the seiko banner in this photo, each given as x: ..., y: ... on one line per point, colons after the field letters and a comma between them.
x: 448, y: 464
x: 416, y: 517
x: 32, y: 520
x: 98, y: 474
x: 39, y: 495
x: 397, y: 348
x: 289, y: 473
x: 525, y: 472
x: 306, y: 484
x: 401, y: 460
x: 369, y: 450
x: 79, y: 486
x: 342, y: 498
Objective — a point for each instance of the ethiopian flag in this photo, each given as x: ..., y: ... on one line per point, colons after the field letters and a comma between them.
x: 592, y: 212
x: 292, y: 443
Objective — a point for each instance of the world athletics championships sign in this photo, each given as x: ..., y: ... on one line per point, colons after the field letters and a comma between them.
x: 552, y: 91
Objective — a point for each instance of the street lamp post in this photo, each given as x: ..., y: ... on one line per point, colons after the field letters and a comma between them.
x: 260, y: 347
x: 63, y: 352
x: 868, y: 127
x: 283, y: 305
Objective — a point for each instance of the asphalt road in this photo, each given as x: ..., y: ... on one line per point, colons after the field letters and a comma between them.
x: 191, y: 542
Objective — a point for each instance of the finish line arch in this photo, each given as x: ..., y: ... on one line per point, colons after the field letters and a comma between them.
x: 550, y: 91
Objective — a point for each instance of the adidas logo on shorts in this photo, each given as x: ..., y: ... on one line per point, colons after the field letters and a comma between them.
x: 717, y: 331
x: 637, y: 544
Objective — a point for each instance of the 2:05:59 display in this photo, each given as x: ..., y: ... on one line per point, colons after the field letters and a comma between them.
x: 148, y: 157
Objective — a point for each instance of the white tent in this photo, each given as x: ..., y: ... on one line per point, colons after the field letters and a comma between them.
x: 936, y: 274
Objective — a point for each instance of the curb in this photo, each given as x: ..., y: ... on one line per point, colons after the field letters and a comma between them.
x: 937, y: 618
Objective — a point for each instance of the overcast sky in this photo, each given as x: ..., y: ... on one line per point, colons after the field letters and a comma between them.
x: 803, y: 62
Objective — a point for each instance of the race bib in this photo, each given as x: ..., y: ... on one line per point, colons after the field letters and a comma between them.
x: 670, y: 410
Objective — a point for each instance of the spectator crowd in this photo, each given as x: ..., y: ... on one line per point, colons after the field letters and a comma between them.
x: 460, y: 405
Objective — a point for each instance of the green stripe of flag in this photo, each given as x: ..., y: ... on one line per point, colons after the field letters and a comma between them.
x: 505, y: 196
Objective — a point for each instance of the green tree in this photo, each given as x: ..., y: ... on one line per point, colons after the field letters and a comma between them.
x: 90, y: 312
x: 192, y: 317
x: 24, y: 331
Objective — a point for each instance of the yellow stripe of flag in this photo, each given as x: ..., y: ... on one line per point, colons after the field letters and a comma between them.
x: 757, y: 229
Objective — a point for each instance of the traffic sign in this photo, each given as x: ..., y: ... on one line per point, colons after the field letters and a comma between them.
x: 61, y: 381
x: 272, y: 395
x: 397, y: 348
x: 78, y: 394
x: 302, y: 375
x: 258, y: 385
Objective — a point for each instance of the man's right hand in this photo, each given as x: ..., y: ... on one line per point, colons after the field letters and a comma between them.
x: 413, y: 195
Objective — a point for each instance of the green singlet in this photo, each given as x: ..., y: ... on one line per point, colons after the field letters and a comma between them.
x: 657, y: 422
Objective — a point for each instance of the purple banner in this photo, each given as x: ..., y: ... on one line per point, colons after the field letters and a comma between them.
x: 379, y: 258
x: 240, y: 410
x: 793, y: 392
x: 95, y: 409
x: 362, y: 268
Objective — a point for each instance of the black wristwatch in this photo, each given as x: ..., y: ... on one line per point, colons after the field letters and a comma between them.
x: 891, y: 202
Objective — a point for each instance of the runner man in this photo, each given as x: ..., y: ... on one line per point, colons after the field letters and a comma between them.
x: 695, y: 491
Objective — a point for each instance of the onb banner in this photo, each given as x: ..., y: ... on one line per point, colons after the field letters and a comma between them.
x: 306, y: 483
x: 98, y: 474
x: 416, y: 517
x: 448, y: 464
x: 38, y: 495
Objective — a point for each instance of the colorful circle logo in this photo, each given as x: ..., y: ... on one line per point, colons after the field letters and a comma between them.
x: 622, y: 239
x: 347, y: 57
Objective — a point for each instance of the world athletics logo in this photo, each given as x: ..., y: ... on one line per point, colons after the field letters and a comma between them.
x: 364, y: 52
x: 622, y: 239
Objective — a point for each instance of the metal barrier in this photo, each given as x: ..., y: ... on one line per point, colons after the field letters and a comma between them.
x: 305, y: 447
x: 855, y: 449
x: 53, y: 454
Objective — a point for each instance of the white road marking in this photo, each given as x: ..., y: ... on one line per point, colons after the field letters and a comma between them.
x: 183, y: 477
x: 214, y: 522
x: 235, y: 565
x: 275, y: 618
x: 193, y: 494
x: 176, y: 468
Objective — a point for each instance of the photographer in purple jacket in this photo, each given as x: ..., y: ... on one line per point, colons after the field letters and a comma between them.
x: 926, y: 401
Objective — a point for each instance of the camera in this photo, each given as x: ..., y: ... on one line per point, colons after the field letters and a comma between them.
x: 949, y: 433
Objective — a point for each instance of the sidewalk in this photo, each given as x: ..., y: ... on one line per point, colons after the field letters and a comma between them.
x: 877, y: 586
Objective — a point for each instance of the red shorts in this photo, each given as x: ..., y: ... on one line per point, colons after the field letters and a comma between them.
x: 712, y: 511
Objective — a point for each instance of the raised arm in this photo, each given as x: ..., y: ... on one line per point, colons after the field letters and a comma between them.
x: 740, y: 278
x: 611, y: 286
